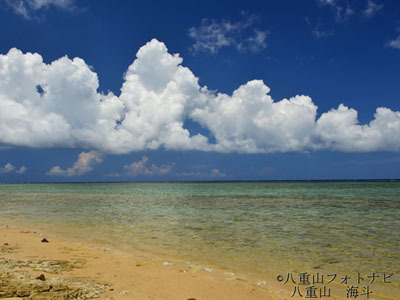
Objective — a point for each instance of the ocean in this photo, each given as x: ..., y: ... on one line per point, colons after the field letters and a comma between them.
x: 261, y: 229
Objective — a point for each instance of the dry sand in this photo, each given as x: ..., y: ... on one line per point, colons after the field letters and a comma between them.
x: 79, y: 270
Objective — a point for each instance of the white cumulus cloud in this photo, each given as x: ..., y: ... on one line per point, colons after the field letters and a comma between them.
x: 339, y: 130
x: 250, y: 121
x: 82, y: 166
x: 59, y: 105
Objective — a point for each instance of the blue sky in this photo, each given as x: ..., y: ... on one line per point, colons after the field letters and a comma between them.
x: 190, y: 90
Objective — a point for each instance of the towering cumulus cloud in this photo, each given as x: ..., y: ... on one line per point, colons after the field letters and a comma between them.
x: 59, y: 105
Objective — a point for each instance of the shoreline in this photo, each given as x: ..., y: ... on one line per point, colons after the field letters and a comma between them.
x: 91, y: 272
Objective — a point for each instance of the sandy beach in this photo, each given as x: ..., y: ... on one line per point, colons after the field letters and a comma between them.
x: 59, y: 269
x: 35, y: 267
x: 62, y: 242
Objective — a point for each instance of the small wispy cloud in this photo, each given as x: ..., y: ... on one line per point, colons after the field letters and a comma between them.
x: 318, y: 33
x: 214, y: 173
x: 21, y: 170
x: 9, y: 168
x: 28, y: 8
x: 82, y: 166
x: 372, y: 9
x: 342, y: 11
x: 217, y: 173
x: 266, y: 171
x: 140, y: 168
x: 317, y: 29
x: 395, y: 44
x: 212, y: 35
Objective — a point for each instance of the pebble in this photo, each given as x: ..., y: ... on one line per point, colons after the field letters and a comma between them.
x: 44, y: 240
x: 125, y: 292
x: 41, y: 277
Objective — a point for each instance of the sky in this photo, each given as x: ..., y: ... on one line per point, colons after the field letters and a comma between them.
x: 199, y: 90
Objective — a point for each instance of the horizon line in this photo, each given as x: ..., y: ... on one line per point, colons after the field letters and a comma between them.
x: 205, y: 181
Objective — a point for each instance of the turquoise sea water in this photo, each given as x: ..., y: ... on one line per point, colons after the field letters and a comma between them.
x: 258, y: 228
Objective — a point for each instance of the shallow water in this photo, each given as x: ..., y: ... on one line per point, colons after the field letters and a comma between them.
x: 256, y: 228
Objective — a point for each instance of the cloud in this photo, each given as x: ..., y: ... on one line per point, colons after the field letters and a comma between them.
x: 317, y: 30
x: 266, y: 171
x: 250, y: 121
x: 339, y: 130
x: 217, y: 173
x: 342, y: 10
x: 372, y: 8
x: 82, y: 166
x: 139, y: 168
x: 21, y: 170
x: 213, y: 173
x: 58, y: 105
x: 395, y: 44
x: 318, y: 33
x: 8, y: 168
x: 27, y: 8
x: 327, y: 2
x: 213, y: 35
